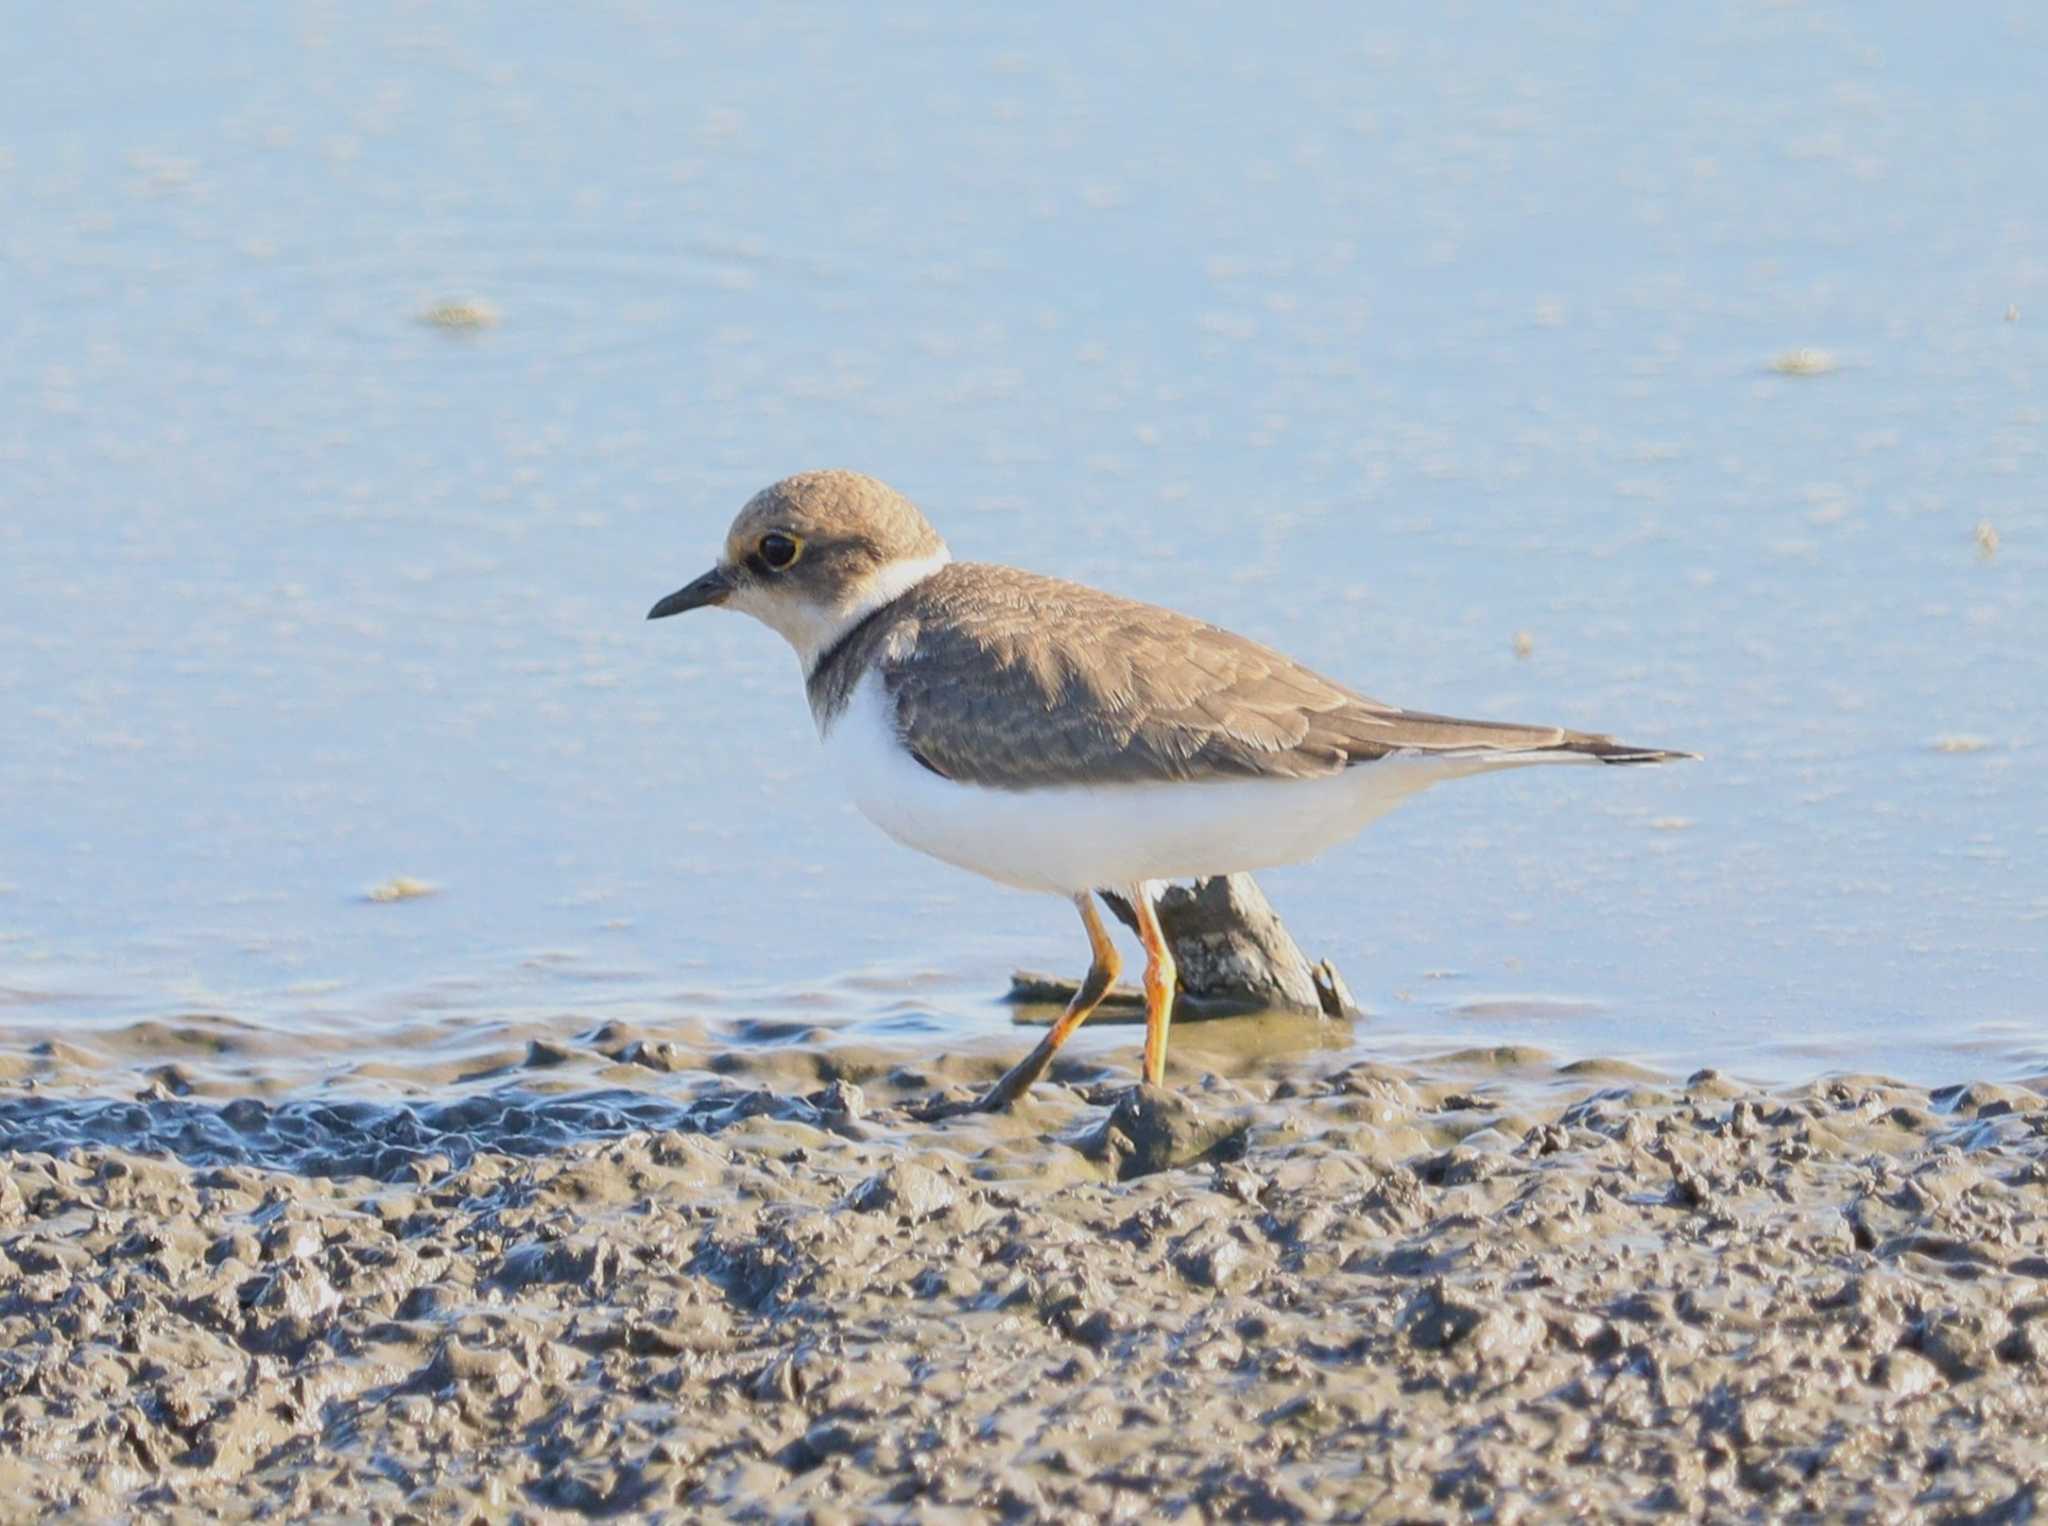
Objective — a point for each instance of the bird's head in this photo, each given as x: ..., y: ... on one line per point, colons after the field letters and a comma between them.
x: 811, y: 555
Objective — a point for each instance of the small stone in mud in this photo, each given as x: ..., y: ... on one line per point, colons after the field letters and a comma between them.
x: 1154, y: 1129
x: 905, y: 1188
x: 1214, y: 1259
x: 1906, y: 1373
x: 1962, y: 1343
x: 841, y: 1102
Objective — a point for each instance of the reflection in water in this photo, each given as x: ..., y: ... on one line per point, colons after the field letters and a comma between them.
x: 1465, y: 363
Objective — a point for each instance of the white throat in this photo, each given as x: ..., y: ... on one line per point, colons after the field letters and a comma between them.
x: 813, y: 628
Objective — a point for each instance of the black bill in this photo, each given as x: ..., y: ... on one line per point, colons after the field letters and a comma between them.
x: 712, y: 588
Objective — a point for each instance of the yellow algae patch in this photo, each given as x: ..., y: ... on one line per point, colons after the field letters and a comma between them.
x: 1804, y: 362
x: 469, y: 315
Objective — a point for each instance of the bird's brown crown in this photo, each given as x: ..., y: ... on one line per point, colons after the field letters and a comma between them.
x: 843, y: 525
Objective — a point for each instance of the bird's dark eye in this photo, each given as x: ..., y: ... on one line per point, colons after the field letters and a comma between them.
x: 779, y: 550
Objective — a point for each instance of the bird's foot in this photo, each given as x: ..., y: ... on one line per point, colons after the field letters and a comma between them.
x: 997, y: 1099
x: 938, y: 1108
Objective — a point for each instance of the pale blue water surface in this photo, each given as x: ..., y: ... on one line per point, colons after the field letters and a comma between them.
x: 1381, y: 335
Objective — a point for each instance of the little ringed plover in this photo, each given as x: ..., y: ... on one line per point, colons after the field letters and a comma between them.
x: 1060, y: 739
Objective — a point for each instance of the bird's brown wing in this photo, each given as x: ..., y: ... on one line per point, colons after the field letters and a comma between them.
x: 1008, y: 679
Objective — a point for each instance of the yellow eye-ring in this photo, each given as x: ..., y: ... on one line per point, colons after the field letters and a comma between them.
x: 779, y: 550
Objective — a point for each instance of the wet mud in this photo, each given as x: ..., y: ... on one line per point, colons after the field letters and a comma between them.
x: 758, y: 1287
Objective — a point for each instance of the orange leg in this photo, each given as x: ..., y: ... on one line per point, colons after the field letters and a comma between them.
x: 1103, y: 968
x: 1161, y: 977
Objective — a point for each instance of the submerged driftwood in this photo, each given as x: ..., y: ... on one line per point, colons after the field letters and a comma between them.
x: 1234, y: 953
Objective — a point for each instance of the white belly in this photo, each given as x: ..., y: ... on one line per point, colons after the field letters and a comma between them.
x: 1070, y: 838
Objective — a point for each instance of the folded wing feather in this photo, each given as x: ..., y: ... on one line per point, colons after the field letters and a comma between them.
x: 1008, y: 679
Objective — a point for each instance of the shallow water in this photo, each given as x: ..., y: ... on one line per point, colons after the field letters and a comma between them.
x: 1384, y: 341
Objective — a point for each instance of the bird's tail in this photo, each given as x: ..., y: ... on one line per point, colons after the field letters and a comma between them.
x: 1604, y: 749
x: 1499, y: 744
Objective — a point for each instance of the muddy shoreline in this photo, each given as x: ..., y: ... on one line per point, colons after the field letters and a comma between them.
x: 1318, y: 1289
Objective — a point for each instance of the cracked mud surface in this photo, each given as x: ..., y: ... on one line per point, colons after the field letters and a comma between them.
x: 1482, y: 1288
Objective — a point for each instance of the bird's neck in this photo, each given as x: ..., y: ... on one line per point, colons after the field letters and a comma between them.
x: 830, y: 630
x: 833, y: 668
